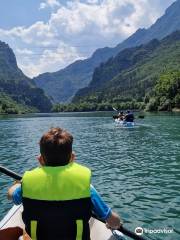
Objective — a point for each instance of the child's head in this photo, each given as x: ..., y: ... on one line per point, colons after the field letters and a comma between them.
x: 56, y: 147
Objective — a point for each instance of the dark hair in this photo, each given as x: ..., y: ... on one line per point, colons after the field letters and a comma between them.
x: 56, y: 147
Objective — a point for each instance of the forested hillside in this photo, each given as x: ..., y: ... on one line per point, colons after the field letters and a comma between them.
x: 166, y: 93
x: 135, y: 78
x: 18, y: 89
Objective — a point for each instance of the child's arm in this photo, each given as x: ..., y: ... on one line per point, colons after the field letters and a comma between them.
x: 113, y: 221
x: 15, y: 194
x: 102, y: 211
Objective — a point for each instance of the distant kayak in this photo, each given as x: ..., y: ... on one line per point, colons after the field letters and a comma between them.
x: 124, y: 123
x: 13, y: 219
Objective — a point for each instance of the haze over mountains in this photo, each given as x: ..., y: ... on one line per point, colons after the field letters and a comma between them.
x: 16, y: 87
x: 64, y: 84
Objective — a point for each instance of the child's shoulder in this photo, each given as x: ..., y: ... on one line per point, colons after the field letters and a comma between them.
x: 32, y: 171
x: 81, y: 167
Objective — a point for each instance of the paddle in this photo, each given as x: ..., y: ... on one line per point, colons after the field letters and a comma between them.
x: 121, y: 229
x: 115, y: 109
x: 10, y: 173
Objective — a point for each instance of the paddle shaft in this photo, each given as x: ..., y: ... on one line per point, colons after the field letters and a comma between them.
x: 121, y: 229
x: 130, y: 234
x: 10, y: 173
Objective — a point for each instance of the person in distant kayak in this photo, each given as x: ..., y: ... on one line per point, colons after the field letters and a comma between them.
x: 57, y: 197
x: 129, y: 117
x: 121, y: 116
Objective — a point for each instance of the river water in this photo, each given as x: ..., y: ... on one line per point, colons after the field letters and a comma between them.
x: 136, y: 171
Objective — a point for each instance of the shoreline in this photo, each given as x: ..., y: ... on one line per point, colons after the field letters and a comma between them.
x: 175, y: 110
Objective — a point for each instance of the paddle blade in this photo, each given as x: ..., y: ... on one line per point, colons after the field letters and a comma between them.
x: 141, y: 116
x: 115, y: 109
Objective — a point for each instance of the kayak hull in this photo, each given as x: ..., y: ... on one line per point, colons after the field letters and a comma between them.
x: 124, y: 124
x: 14, y: 219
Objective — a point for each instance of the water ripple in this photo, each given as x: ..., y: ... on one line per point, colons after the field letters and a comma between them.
x: 137, y: 171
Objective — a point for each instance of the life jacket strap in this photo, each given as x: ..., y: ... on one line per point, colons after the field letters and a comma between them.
x: 33, y: 230
x: 79, y: 234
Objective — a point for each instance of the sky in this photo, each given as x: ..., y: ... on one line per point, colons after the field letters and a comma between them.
x: 47, y: 35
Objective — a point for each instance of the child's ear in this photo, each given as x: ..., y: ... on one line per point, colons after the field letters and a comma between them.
x: 73, y: 157
x: 41, y: 160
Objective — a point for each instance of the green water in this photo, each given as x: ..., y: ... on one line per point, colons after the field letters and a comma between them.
x: 137, y: 171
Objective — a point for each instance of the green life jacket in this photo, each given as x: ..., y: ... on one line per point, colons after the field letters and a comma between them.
x: 56, y: 201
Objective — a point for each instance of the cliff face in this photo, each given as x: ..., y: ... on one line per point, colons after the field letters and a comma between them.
x: 16, y: 85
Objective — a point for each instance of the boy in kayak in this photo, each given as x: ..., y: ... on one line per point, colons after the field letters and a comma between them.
x: 57, y: 197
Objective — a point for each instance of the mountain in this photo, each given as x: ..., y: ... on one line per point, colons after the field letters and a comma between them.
x: 133, y: 73
x: 63, y: 85
x: 165, y: 25
x: 16, y: 86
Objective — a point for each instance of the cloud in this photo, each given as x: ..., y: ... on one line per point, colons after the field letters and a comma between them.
x: 24, y: 51
x: 76, y: 29
x: 35, y: 62
x: 49, y: 3
x: 42, y: 5
x: 92, y: 1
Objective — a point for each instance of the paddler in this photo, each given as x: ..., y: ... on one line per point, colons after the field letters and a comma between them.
x: 129, y: 117
x: 57, y: 197
x: 121, y: 116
